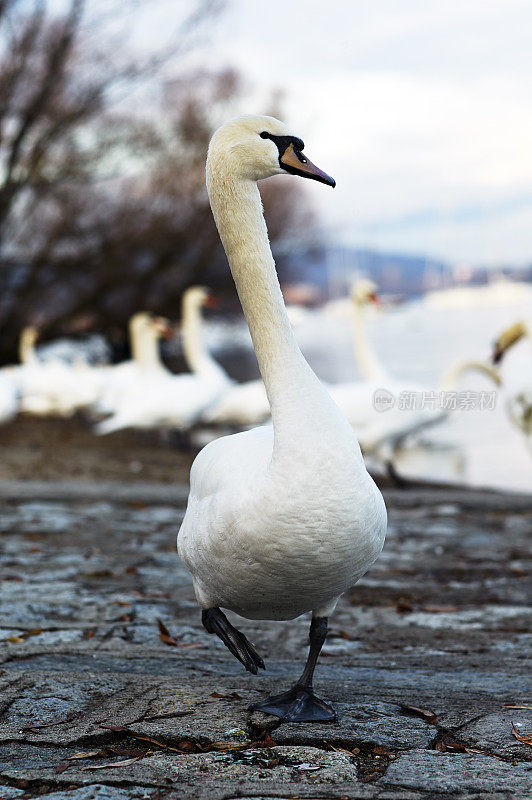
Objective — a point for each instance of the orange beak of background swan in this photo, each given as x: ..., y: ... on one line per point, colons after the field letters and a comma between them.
x: 164, y: 328
x: 298, y: 164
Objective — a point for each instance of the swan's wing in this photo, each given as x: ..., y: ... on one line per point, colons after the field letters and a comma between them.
x: 227, y: 464
x: 220, y: 481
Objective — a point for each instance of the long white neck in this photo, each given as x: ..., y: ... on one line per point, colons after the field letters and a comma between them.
x: 368, y: 361
x: 198, y: 358
x: 27, y: 352
x: 452, y: 376
x: 294, y: 392
x: 145, y: 348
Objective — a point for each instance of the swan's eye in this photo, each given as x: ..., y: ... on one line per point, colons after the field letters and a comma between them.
x: 264, y: 135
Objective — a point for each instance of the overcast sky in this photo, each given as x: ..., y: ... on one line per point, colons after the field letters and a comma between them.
x: 421, y: 110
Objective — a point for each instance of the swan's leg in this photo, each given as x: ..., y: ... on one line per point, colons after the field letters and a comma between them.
x: 300, y: 704
x: 215, y: 621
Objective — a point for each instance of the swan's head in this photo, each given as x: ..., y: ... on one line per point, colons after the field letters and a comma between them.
x: 507, y: 338
x: 145, y: 324
x: 364, y: 291
x: 197, y: 296
x: 256, y: 147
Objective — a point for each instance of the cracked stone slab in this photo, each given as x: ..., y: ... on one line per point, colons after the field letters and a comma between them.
x: 93, y: 792
x: 459, y: 775
x: 146, y: 705
x: 441, y: 622
x: 492, y: 732
x: 360, y: 723
x: 296, y: 771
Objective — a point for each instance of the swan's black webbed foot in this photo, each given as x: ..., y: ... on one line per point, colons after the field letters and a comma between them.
x: 298, y: 704
x: 215, y: 621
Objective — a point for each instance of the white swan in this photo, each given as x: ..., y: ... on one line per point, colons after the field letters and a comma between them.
x: 145, y: 331
x: 516, y: 372
x: 198, y: 358
x: 280, y: 520
x: 54, y: 386
x: 241, y: 404
x: 154, y: 397
x: 406, y: 408
x: 363, y: 293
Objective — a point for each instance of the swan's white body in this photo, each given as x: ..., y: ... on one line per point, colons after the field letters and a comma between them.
x: 280, y: 520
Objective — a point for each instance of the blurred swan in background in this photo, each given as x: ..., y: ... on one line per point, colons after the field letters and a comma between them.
x: 54, y: 386
x: 154, y: 397
x: 364, y: 292
x: 243, y: 405
x: 199, y: 360
x: 145, y: 331
x: 384, y: 410
x: 240, y: 405
x: 516, y: 372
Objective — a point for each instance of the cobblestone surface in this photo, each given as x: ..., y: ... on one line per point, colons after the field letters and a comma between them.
x: 427, y: 662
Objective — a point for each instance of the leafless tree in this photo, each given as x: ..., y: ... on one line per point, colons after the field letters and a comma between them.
x: 103, y: 209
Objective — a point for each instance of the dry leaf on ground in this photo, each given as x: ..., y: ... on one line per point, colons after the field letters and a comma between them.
x: 165, y: 636
x: 124, y: 763
x: 19, y: 638
x: 141, y: 737
x: 168, y: 716
x: 428, y: 716
x: 35, y: 726
x: 521, y: 737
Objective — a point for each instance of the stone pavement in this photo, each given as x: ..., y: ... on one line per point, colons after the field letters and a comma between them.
x: 428, y: 661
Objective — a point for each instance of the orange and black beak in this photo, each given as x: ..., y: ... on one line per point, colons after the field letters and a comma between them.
x: 293, y: 161
x: 164, y: 328
x: 375, y: 299
x: 496, y: 354
x: 211, y: 301
x: 507, y: 339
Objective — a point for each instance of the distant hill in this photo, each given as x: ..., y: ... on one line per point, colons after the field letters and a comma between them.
x: 333, y: 268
